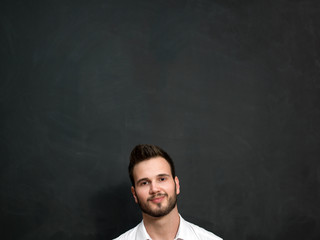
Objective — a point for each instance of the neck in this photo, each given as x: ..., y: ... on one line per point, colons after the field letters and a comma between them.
x: 164, y: 228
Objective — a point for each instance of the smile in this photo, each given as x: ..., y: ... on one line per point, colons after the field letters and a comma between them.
x: 157, y: 199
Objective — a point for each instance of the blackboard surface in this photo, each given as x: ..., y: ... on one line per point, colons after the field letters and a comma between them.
x: 230, y: 89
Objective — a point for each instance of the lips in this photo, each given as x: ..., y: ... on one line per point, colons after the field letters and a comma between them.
x: 157, y: 198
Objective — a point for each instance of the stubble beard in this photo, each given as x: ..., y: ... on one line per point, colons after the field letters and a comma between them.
x: 159, y: 211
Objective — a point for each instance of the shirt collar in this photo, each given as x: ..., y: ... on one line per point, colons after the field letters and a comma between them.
x: 181, y: 234
x: 182, y: 231
x: 142, y: 232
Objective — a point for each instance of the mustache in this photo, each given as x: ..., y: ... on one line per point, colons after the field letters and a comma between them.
x: 157, y: 196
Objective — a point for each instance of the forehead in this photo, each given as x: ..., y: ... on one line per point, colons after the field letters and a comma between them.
x: 151, y: 168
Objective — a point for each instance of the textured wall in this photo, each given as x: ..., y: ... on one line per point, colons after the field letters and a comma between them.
x: 230, y: 89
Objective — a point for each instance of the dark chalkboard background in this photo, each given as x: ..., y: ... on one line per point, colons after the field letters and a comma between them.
x: 231, y: 89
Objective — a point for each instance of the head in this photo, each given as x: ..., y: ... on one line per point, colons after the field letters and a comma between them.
x: 145, y: 152
x: 154, y: 184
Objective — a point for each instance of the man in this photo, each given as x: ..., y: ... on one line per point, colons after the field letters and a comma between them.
x: 155, y: 188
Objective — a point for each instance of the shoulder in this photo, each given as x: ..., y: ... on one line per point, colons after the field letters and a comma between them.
x: 200, y: 232
x: 130, y: 234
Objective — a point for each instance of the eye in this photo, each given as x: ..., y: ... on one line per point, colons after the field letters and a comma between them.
x: 162, y: 179
x: 143, y: 183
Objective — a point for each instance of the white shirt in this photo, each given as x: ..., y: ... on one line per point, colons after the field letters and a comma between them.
x: 186, y: 231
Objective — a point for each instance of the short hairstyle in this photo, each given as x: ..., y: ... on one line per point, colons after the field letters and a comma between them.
x: 144, y: 152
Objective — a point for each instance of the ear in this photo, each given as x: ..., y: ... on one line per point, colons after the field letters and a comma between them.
x: 133, y: 191
x: 176, y: 179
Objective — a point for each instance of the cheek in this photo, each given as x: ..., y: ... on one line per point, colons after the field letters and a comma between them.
x: 142, y: 194
x: 170, y: 189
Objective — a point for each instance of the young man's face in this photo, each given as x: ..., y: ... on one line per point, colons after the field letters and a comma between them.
x: 155, y: 189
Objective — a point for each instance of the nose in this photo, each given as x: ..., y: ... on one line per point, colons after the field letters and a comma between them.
x: 154, y: 188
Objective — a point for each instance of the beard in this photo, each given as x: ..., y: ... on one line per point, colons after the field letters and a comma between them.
x: 160, y: 210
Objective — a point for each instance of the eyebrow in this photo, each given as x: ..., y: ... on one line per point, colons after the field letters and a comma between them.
x: 163, y: 175
x: 142, y: 179
x: 159, y: 175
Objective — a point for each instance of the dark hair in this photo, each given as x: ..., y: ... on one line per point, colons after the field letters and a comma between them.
x: 144, y: 152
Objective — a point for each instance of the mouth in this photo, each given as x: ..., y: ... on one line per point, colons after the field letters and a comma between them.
x: 157, y: 199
